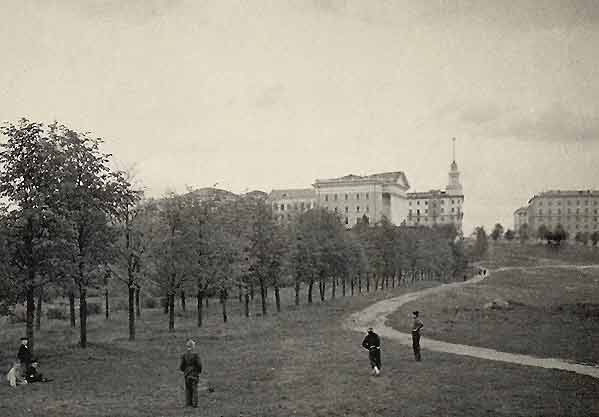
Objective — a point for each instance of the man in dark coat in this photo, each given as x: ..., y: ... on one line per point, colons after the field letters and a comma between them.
x: 191, y: 366
x: 24, y: 354
x: 33, y: 373
x: 416, y: 327
x: 372, y: 343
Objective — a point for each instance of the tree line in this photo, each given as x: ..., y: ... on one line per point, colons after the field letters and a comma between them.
x: 72, y: 222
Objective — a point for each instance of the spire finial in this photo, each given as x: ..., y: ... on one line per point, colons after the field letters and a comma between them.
x: 453, y: 154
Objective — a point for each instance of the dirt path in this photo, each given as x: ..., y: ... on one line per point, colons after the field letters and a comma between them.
x: 376, y: 316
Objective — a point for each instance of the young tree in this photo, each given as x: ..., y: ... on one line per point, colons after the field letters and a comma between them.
x: 481, y: 244
x: 497, y: 232
x: 543, y: 233
x: 509, y: 235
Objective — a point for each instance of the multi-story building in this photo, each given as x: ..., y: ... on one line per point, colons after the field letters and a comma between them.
x: 520, y: 218
x: 575, y: 210
x: 287, y: 204
x: 437, y: 207
x: 373, y: 196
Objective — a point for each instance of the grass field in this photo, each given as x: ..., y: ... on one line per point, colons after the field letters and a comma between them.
x: 297, y: 363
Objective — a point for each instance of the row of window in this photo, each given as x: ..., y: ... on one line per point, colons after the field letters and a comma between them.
x: 568, y: 202
x: 336, y: 209
x: 335, y: 196
x: 301, y: 206
x: 569, y: 211
x: 442, y: 219
x: 453, y: 210
x: 433, y: 202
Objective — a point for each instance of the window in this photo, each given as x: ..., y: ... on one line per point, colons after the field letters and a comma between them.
x: 367, y: 197
x: 367, y: 209
x: 577, y: 211
x: 426, y: 203
x: 336, y: 210
x: 358, y: 208
x: 326, y: 197
x: 346, y: 221
x: 550, y: 203
x: 410, y: 212
x: 346, y: 196
x: 288, y: 206
x: 335, y: 197
x: 569, y: 211
x: 540, y: 212
x: 303, y: 205
x: 452, y: 201
x: 442, y: 218
x: 295, y: 206
x: 442, y: 210
x: 275, y: 206
x: 586, y: 202
x: 559, y: 211
x: 282, y: 206
x: 442, y: 201
x: 586, y: 210
x: 347, y: 209
x: 409, y: 202
x: 569, y: 203
x: 549, y: 212
x: 578, y: 202
x: 357, y: 196
x: 418, y: 212
x: 418, y: 202
x: 452, y: 210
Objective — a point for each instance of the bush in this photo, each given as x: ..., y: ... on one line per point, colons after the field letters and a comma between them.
x: 56, y: 313
x: 93, y: 308
x: 149, y: 302
x: 119, y: 304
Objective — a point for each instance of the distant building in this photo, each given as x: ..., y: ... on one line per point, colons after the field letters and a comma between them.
x: 520, y: 218
x: 289, y: 203
x: 437, y: 207
x: 373, y: 196
x: 575, y: 210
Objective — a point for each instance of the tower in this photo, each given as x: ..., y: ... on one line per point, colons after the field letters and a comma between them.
x: 454, y: 187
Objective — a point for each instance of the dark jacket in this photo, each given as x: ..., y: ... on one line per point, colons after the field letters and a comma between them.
x: 191, y: 366
x: 24, y: 355
x: 372, y: 340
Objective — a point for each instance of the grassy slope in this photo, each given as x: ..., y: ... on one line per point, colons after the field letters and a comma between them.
x: 299, y: 362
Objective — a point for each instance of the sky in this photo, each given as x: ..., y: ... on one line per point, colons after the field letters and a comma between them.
x: 253, y: 94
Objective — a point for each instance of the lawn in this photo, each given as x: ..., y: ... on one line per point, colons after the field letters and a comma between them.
x: 299, y: 362
x: 553, y: 313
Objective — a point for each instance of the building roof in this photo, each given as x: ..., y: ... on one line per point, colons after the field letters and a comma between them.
x: 292, y: 193
x: 521, y: 210
x: 427, y: 194
x: 565, y: 193
x: 395, y: 177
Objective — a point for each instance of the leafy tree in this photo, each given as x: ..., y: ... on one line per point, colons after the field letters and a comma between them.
x: 594, y: 238
x: 559, y: 234
x: 543, y: 232
x: 497, y: 232
x: 482, y: 243
x: 509, y: 235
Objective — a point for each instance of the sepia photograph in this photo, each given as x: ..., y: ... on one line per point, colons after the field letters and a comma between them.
x: 310, y: 208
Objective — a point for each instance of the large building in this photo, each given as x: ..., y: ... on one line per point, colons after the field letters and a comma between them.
x: 437, y: 207
x: 373, y: 196
x: 575, y: 210
x: 520, y: 218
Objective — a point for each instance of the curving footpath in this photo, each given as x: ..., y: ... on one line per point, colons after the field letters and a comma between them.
x: 376, y: 316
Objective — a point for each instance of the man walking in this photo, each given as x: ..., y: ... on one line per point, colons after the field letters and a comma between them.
x: 191, y: 366
x: 372, y: 343
x: 416, y: 327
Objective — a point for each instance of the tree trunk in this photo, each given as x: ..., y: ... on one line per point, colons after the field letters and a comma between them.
x: 323, y: 288
x: 106, y: 310
x: 207, y: 299
x: 200, y: 307
x: 240, y: 294
x: 246, y: 303
x: 297, y: 291
x: 38, y: 309
x: 167, y: 299
x: 137, y: 304
x: 263, y: 295
x: 252, y: 290
x: 183, y: 300
x: 277, y: 298
x: 352, y: 284
x: 29, y: 314
x: 360, y: 283
x: 72, y: 308
x: 223, y: 301
x: 343, y: 286
x: 131, y: 313
x: 83, y: 317
x: 171, y: 312
x: 334, y: 288
x: 367, y: 282
x: 310, y: 287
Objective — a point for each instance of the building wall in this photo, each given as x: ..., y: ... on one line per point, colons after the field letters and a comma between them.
x: 574, y: 211
x: 351, y: 202
x: 427, y: 209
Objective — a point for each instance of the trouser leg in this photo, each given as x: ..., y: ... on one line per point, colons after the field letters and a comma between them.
x: 188, y: 392
x: 416, y: 346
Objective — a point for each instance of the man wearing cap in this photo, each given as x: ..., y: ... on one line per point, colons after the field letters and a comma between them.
x: 191, y: 366
x: 24, y: 354
x: 372, y: 343
x: 416, y: 327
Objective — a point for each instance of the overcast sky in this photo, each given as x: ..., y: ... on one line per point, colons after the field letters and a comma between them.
x: 274, y: 94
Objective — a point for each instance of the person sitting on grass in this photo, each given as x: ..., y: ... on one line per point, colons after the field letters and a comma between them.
x: 33, y: 374
x: 15, y: 375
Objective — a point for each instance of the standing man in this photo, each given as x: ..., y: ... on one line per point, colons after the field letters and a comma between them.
x: 24, y: 354
x: 416, y: 327
x: 372, y: 343
x: 191, y: 366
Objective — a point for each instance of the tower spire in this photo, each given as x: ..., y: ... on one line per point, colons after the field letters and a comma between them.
x: 453, y: 148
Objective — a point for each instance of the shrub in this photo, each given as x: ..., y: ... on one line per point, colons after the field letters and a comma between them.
x: 56, y: 313
x: 93, y: 308
x: 119, y: 304
x: 149, y: 302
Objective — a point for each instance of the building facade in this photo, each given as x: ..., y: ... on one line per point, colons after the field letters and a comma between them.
x: 575, y: 210
x: 437, y: 207
x: 373, y: 196
x: 289, y: 203
x: 520, y: 218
